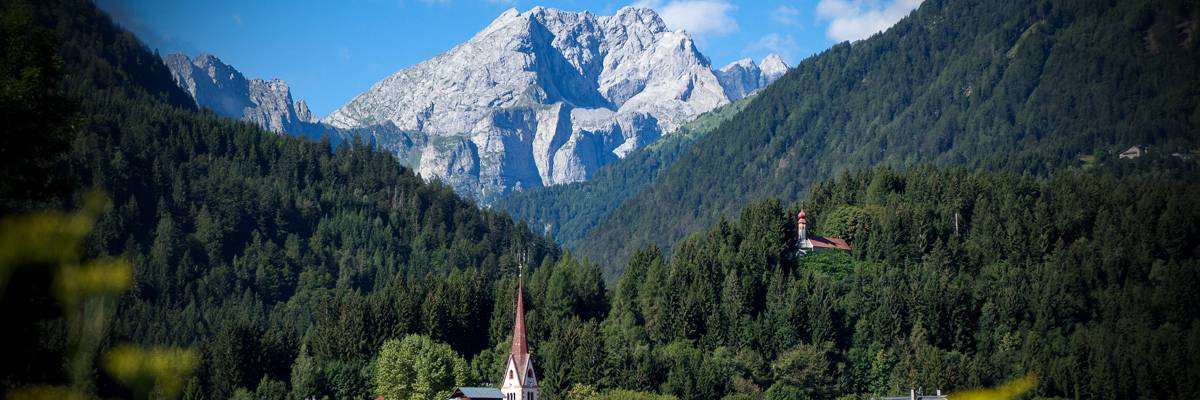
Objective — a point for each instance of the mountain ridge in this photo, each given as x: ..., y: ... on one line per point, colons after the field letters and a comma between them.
x: 566, y: 212
x: 221, y: 87
x: 543, y: 97
x: 1033, y: 93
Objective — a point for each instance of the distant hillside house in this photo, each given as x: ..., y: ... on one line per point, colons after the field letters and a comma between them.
x: 1133, y: 152
x: 1185, y: 156
x: 476, y: 393
x: 810, y: 243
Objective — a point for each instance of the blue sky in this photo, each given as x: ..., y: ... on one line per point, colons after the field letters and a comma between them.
x: 330, y: 51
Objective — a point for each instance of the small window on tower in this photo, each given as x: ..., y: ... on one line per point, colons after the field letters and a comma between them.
x: 510, y: 374
x: 529, y: 373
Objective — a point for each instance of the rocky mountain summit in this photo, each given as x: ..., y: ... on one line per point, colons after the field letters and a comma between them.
x: 545, y: 97
x: 228, y: 93
x: 740, y: 78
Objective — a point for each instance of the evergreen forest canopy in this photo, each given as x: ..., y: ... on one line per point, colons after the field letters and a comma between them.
x: 294, y: 271
x: 1028, y: 86
x: 240, y: 240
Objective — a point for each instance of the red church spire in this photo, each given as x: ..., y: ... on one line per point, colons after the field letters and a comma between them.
x: 520, y: 381
x: 519, y: 347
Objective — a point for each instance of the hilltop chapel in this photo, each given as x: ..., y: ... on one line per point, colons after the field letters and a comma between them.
x: 520, y: 381
x: 808, y: 243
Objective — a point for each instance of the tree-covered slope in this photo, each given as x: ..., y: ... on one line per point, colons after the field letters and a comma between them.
x: 284, y: 266
x: 958, y: 280
x: 255, y: 250
x: 1026, y: 86
x: 566, y: 212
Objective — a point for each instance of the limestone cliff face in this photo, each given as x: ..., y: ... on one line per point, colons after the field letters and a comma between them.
x: 222, y: 88
x: 542, y: 97
x: 771, y: 69
x: 740, y: 78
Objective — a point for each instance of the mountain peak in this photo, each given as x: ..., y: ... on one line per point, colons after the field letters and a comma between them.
x: 228, y: 93
x: 645, y: 16
x: 742, y: 77
x: 539, y: 98
x: 772, y: 68
x: 745, y: 62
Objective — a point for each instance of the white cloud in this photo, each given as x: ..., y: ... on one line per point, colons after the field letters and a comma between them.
x: 784, y: 46
x: 698, y: 17
x: 238, y: 18
x: 346, y: 53
x: 859, y: 19
x: 786, y: 15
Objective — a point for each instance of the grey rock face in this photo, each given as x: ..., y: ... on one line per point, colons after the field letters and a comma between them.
x: 543, y: 97
x: 772, y: 68
x: 739, y: 78
x: 222, y: 88
x: 742, y: 77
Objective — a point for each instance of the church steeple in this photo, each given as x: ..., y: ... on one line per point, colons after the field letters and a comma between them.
x: 519, y: 346
x: 520, y: 380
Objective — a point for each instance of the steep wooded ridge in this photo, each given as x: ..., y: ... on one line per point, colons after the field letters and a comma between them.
x: 244, y: 244
x: 1025, y: 86
x: 566, y: 212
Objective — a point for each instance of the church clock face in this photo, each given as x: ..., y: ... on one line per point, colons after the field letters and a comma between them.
x: 529, y: 381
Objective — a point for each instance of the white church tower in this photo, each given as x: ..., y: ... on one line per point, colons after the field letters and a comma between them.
x: 520, y: 380
x: 802, y: 231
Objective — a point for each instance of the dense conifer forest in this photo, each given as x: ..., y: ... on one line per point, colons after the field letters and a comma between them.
x: 244, y: 245
x: 957, y: 279
x: 274, y: 267
x: 1027, y: 86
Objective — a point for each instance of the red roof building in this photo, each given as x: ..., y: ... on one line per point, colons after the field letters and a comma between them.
x: 821, y: 242
x: 809, y: 243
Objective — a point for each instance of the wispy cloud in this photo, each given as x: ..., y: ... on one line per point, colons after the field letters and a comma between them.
x: 786, y: 15
x: 785, y: 46
x: 858, y: 19
x: 698, y: 17
x: 238, y: 19
x: 346, y: 53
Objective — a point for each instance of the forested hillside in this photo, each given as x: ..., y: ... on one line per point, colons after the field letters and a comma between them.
x: 252, y: 248
x: 284, y: 269
x: 958, y: 279
x: 567, y: 212
x: 1024, y: 86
